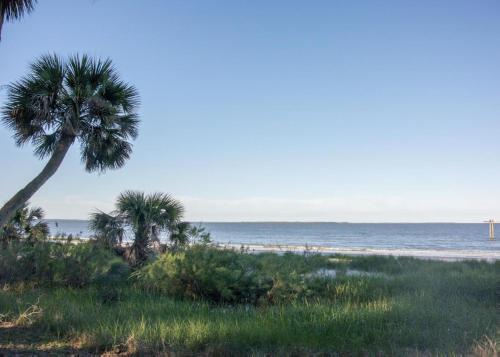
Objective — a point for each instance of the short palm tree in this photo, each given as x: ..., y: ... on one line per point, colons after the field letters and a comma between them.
x: 108, y: 228
x: 181, y: 233
x: 26, y: 224
x: 184, y: 233
x: 146, y: 216
x: 14, y: 10
x: 62, y: 102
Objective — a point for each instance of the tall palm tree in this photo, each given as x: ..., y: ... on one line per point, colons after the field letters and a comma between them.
x: 146, y: 216
x: 62, y: 102
x: 14, y: 10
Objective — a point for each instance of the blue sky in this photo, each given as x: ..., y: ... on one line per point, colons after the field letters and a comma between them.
x: 363, y: 111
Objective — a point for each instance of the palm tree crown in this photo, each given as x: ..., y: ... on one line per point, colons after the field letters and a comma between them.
x: 156, y: 211
x: 79, y: 99
x: 109, y: 228
x: 65, y: 101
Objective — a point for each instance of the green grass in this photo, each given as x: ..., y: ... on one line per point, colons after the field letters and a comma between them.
x: 413, y: 305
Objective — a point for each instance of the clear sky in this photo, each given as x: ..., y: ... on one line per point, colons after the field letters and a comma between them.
x: 362, y: 111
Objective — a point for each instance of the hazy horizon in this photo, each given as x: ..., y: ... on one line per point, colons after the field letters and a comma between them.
x: 333, y: 222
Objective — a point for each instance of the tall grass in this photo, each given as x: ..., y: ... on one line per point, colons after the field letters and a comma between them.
x: 413, y: 305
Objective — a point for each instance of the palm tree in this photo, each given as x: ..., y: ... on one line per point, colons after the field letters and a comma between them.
x: 181, y: 233
x: 62, y: 102
x: 14, y: 10
x: 27, y: 223
x: 109, y: 228
x: 146, y: 216
x: 184, y: 233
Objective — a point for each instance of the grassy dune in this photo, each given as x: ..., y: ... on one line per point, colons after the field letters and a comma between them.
x: 408, y: 306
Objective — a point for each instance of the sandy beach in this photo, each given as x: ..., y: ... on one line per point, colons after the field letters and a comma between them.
x: 447, y: 255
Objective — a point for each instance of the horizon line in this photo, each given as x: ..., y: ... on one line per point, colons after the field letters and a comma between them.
x: 295, y: 221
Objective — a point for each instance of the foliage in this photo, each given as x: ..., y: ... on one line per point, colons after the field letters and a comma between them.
x: 27, y: 224
x: 15, y: 9
x: 146, y: 216
x: 48, y: 263
x: 184, y: 233
x: 426, y: 308
x: 11, y: 10
x: 109, y: 229
x: 228, y: 276
x: 202, y: 272
x: 80, y: 98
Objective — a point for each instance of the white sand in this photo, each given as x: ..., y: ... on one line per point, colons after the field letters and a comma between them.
x: 447, y: 254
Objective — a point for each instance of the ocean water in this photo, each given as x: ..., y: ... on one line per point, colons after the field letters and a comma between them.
x: 442, y: 240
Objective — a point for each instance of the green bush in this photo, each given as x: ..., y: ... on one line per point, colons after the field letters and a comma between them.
x: 48, y: 263
x: 228, y: 276
x: 202, y: 272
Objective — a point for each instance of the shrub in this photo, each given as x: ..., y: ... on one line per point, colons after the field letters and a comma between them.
x: 27, y: 224
x: 229, y: 276
x: 48, y: 263
x: 203, y: 272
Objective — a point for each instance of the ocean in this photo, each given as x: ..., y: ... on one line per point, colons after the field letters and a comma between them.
x: 438, y: 240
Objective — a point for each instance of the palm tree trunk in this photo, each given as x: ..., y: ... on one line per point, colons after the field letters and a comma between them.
x: 139, y: 246
x: 21, y: 197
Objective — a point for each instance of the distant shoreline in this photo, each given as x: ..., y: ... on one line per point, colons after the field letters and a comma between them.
x: 284, y: 222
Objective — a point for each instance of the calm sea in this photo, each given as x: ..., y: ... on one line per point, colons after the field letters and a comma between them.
x: 453, y: 240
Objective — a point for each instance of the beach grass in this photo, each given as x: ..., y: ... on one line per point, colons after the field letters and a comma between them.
x: 403, y: 306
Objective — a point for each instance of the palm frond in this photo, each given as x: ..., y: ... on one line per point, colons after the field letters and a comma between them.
x: 31, y: 109
x: 26, y: 224
x: 35, y: 213
x: 104, y: 149
x: 15, y: 9
x: 107, y: 227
